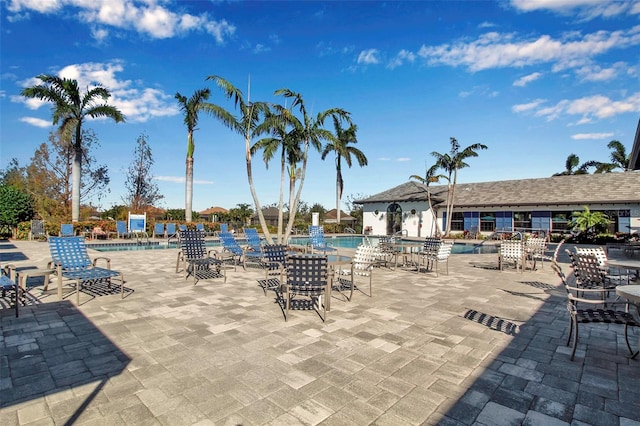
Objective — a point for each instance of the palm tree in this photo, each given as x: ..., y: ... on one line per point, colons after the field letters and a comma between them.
x: 587, y: 220
x: 308, y: 132
x: 277, y: 122
x: 618, y: 156
x: 429, y: 178
x: 71, y: 108
x: 340, y: 145
x: 245, y: 125
x: 451, y: 163
x: 572, y: 168
x: 191, y: 108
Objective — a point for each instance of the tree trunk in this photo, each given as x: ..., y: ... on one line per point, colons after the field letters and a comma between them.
x: 76, y: 171
x: 254, y: 195
x: 188, y: 197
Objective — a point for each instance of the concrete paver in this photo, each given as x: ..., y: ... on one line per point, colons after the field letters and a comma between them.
x: 477, y: 346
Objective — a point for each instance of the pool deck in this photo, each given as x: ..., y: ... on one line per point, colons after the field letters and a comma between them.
x: 477, y: 346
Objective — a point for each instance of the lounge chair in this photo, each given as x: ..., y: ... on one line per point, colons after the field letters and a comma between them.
x: 72, y: 262
x: 172, y: 232
x: 307, y: 276
x: 66, y: 230
x: 9, y: 288
x: 97, y: 232
x: 158, y: 230
x: 317, y: 241
x: 231, y: 249
x: 121, y: 230
x: 200, y: 227
x: 198, y: 262
x: 253, y: 239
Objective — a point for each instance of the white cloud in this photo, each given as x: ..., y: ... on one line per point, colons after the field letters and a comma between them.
x: 42, y: 6
x: 368, y: 57
x: 402, y: 57
x: 181, y: 179
x: 403, y: 159
x: 138, y: 104
x: 528, y: 106
x: 495, y: 50
x: 583, y: 9
x: 523, y: 81
x: 150, y: 17
x: 261, y: 48
x: 594, y: 72
x: 37, y: 122
x: 582, y: 136
x: 588, y: 108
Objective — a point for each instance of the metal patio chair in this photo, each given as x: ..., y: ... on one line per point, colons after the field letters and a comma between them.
x: 197, y: 261
x: 579, y: 296
x: 307, y: 277
x: 72, y: 262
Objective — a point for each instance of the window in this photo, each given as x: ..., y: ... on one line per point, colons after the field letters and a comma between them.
x: 560, y: 220
x: 522, y: 221
x: 487, y: 221
x: 457, y: 221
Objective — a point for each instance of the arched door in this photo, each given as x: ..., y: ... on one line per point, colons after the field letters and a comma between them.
x: 394, y: 218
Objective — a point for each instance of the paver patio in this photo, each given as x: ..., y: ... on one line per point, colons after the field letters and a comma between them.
x: 478, y: 346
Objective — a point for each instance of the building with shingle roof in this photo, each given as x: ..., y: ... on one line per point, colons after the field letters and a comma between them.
x: 525, y: 204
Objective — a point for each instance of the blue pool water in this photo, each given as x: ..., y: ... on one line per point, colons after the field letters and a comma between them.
x: 349, y: 241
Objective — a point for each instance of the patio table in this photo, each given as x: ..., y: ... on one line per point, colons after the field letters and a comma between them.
x: 628, y: 264
x: 335, y: 260
x: 404, y: 248
x: 632, y: 294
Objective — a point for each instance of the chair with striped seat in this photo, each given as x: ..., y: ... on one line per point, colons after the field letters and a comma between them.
x: 72, y: 262
x: 579, y: 296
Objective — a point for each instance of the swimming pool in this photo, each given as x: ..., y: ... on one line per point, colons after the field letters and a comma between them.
x: 342, y: 241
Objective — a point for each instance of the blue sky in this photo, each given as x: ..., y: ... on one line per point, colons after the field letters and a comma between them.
x: 533, y: 80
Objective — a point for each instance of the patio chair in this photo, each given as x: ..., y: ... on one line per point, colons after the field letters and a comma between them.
x: 253, y: 239
x: 232, y: 249
x: 72, y: 262
x: 534, y: 250
x: 66, y: 230
x: 197, y: 261
x: 386, y: 250
x: 307, y: 277
x: 9, y: 288
x: 588, y: 272
x: 182, y: 227
x: 200, y: 227
x: 317, y: 241
x: 361, y: 266
x: 273, y: 262
x: 435, y: 257
x: 602, y: 258
x: 121, y: 230
x: 158, y: 230
x: 172, y: 232
x: 615, y: 313
x: 37, y: 230
x: 511, y: 252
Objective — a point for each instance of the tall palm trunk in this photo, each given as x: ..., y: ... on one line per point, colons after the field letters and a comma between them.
x: 188, y: 191
x: 338, y: 189
x: 76, y: 171
x: 252, y: 188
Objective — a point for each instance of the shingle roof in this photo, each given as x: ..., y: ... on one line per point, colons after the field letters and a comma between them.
x: 623, y: 187
x: 634, y: 157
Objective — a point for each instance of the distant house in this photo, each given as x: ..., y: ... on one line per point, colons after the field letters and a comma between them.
x: 331, y: 217
x: 270, y: 216
x: 513, y: 205
x: 211, y: 214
